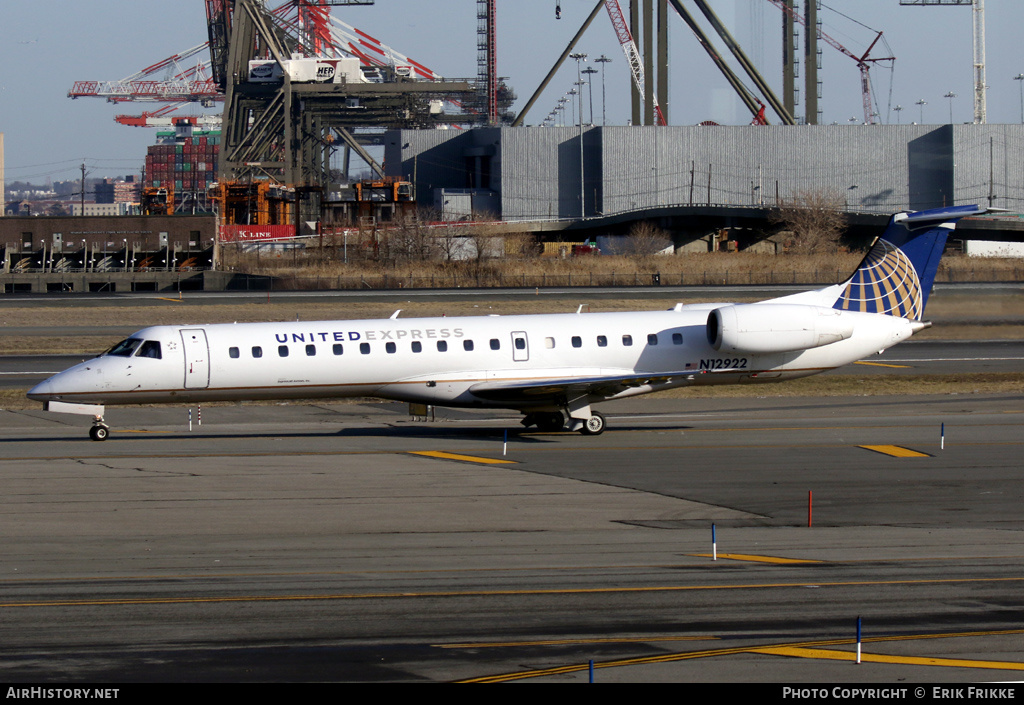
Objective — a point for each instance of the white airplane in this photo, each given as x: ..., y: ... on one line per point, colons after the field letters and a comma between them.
x: 550, y: 367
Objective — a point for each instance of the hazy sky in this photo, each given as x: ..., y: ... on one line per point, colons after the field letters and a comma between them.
x: 46, y: 47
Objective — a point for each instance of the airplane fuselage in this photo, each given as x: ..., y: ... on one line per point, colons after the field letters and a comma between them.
x: 441, y: 360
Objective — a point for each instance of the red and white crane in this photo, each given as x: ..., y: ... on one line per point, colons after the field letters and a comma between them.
x: 191, y: 84
x: 628, y: 45
x: 863, y: 62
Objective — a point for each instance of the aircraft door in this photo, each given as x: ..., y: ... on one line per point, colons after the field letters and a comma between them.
x: 197, y: 358
x: 520, y: 346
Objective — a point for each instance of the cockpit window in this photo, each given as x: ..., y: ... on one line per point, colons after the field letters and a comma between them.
x: 150, y: 348
x: 125, y: 348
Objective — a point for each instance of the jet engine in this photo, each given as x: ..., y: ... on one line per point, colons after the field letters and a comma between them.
x: 775, y: 328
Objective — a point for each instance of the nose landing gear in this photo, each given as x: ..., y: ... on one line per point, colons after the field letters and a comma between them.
x: 99, y: 431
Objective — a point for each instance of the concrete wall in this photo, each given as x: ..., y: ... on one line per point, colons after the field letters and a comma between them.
x: 879, y: 169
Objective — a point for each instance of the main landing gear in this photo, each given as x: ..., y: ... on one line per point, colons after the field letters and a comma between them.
x: 553, y: 421
x: 594, y: 426
x: 547, y: 421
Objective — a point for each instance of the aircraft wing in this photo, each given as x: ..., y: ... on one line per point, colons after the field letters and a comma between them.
x: 555, y: 388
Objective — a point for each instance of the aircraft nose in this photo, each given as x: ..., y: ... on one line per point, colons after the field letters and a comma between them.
x: 42, y: 391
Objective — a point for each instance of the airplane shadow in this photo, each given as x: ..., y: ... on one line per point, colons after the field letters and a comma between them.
x: 425, y: 432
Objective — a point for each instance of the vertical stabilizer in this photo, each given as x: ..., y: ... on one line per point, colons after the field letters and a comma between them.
x: 897, y: 275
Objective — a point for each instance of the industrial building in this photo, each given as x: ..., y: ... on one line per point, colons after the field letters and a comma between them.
x: 521, y: 174
x: 119, y: 253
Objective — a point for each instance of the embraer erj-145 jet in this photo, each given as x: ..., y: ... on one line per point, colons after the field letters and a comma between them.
x: 551, y: 367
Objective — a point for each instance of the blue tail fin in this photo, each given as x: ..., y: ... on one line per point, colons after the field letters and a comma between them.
x: 897, y: 275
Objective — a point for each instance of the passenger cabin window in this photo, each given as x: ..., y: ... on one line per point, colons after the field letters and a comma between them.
x: 602, y: 341
x: 577, y: 342
x: 282, y: 350
x: 151, y: 349
x: 364, y: 348
x: 652, y: 339
x: 391, y: 348
x: 310, y: 350
x: 442, y: 346
x: 627, y: 341
x: 417, y: 346
x: 339, y: 349
x: 257, y: 351
x: 467, y: 345
x: 549, y: 343
x: 125, y: 348
x: 677, y: 338
x: 495, y: 344
x: 233, y: 353
x: 520, y: 343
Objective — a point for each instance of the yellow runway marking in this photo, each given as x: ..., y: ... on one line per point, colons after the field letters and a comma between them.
x: 756, y: 559
x: 831, y: 655
x: 811, y: 649
x: 897, y: 451
x: 164, y: 298
x: 464, y: 458
x: 882, y: 364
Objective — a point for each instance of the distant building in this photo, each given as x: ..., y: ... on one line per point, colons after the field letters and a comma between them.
x: 125, y: 190
x: 108, y: 209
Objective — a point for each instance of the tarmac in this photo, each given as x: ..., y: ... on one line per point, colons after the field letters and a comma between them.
x: 716, y: 540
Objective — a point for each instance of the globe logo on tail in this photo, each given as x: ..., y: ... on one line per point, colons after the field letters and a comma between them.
x: 886, y: 283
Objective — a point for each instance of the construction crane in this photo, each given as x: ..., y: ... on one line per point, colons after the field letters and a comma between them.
x: 628, y: 45
x: 863, y: 62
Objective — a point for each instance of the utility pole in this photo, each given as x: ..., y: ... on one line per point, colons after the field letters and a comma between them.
x: 590, y: 71
x: 604, y: 115
x: 1019, y: 78
x: 580, y: 58
x: 82, y: 212
x: 951, y: 95
x: 579, y: 87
